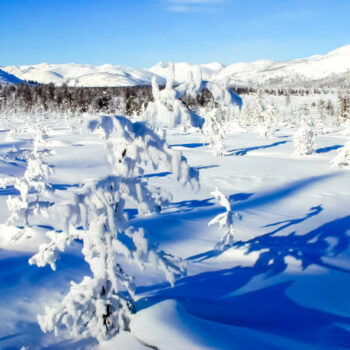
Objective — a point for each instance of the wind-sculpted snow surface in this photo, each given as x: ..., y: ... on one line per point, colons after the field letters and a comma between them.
x: 147, y: 270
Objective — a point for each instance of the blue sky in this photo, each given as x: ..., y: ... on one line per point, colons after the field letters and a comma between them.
x: 141, y: 33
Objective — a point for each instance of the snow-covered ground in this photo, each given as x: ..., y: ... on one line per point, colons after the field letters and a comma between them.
x: 283, y: 285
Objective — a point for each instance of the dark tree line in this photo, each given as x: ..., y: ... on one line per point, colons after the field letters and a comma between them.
x: 39, y: 98
x: 77, y: 100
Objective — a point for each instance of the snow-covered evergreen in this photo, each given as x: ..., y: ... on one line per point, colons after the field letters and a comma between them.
x: 305, y: 138
x: 214, y: 128
x: 167, y: 110
x: 32, y: 187
x: 100, y: 306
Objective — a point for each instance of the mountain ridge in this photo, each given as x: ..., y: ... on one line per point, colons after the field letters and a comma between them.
x: 330, y: 69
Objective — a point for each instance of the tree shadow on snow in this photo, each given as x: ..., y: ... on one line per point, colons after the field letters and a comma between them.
x: 191, y: 145
x: 244, y: 151
x: 166, y: 173
x: 328, y: 149
x: 187, y: 205
x: 211, y: 295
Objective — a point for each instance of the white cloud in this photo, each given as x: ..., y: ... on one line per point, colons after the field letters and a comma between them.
x: 184, y: 6
x: 200, y: 2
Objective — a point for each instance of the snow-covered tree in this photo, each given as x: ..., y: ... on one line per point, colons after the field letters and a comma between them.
x: 343, y: 114
x: 193, y: 84
x: 264, y: 115
x: 342, y: 159
x: 100, y: 305
x: 219, y: 114
x: 305, y: 138
x: 33, y: 184
x: 214, y: 128
x: 167, y: 110
x: 226, y: 100
x: 225, y: 221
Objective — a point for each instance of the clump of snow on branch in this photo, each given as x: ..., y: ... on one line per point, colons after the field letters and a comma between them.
x: 100, y: 306
x: 225, y: 221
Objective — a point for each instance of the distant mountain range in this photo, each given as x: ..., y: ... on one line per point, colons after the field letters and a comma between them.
x: 6, y: 78
x: 332, y: 69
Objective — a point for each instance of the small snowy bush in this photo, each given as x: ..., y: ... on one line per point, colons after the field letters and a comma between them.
x: 225, y: 221
x: 305, y: 138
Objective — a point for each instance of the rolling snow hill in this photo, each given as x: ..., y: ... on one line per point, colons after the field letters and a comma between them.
x: 83, y: 75
x: 325, y: 69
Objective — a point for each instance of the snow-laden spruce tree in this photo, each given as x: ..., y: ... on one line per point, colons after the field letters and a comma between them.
x: 33, y: 187
x: 264, y: 115
x: 167, y: 110
x: 226, y: 100
x: 193, y: 84
x: 214, y: 128
x: 246, y: 115
x: 219, y: 114
x: 225, y: 221
x: 100, y: 306
x: 305, y: 138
